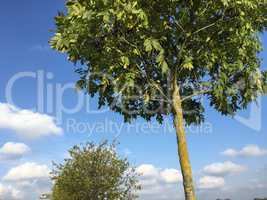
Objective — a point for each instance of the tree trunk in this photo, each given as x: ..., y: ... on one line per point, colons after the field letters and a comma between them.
x: 182, y: 145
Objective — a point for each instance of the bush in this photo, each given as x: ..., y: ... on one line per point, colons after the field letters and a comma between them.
x: 94, y: 172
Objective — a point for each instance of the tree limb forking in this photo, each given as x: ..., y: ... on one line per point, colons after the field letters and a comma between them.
x: 155, y: 85
x: 160, y: 90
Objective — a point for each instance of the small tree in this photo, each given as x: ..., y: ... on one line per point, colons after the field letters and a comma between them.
x: 94, y: 172
x: 153, y: 58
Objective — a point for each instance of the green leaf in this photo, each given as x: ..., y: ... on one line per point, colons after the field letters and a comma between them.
x: 146, y: 98
x: 265, y: 89
x: 165, y: 67
x: 70, y: 3
x: 125, y: 61
x: 151, y: 43
x: 80, y: 85
x: 148, y: 45
x: 137, y: 52
x: 187, y: 64
x: 156, y: 45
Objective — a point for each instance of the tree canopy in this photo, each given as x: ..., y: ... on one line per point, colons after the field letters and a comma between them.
x: 130, y: 49
x: 94, y: 172
x: 151, y: 58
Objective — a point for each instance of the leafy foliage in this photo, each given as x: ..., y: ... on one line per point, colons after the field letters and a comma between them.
x: 94, y: 172
x: 131, y: 49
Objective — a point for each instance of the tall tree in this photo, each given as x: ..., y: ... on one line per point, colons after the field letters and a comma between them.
x: 94, y: 172
x: 152, y: 58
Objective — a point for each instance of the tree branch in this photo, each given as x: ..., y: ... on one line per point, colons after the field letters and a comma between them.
x: 155, y: 85
x: 205, y: 27
x: 195, y: 94
x: 131, y: 44
x: 160, y: 90
x: 179, y: 25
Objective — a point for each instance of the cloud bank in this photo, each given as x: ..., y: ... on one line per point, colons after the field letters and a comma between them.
x: 223, y: 169
x: 27, y: 123
x: 12, y: 151
x: 27, y: 171
x: 247, y: 151
x: 25, y: 181
x: 211, y: 182
x: 160, y: 184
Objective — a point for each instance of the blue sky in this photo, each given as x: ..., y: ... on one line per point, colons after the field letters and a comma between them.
x: 24, y: 48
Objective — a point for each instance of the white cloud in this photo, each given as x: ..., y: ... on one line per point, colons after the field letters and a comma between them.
x: 8, y: 192
x: 171, y: 176
x: 27, y: 171
x: 155, y: 174
x: 230, y: 152
x: 27, y: 123
x: 30, y: 190
x: 26, y: 181
x: 247, y: 151
x: 211, y: 182
x: 159, y: 184
x: 12, y: 151
x: 222, y: 169
x: 147, y: 170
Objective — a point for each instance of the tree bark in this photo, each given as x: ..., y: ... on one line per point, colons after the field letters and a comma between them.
x: 182, y: 144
